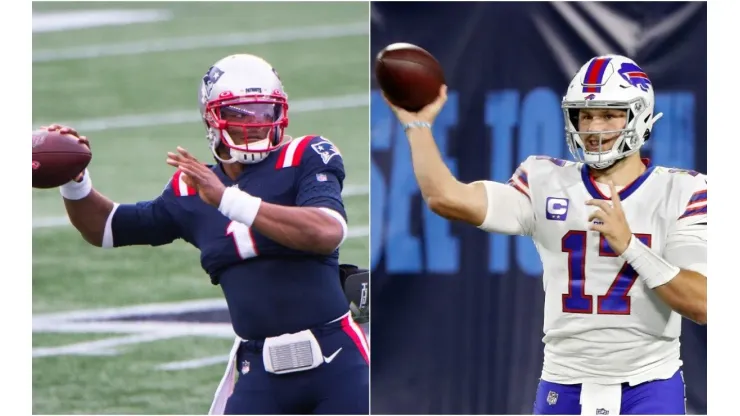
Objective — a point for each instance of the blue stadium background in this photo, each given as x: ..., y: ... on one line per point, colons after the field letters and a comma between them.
x: 457, y: 313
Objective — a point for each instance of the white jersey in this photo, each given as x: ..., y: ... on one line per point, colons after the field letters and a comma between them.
x: 602, y: 324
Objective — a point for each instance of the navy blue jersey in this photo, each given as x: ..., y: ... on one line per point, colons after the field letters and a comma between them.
x: 270, y: 289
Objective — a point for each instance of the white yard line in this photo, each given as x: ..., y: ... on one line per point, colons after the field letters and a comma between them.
x: 66, y: 20
x: 162, y: 308
x: 177, y: 328
x: 357, y: 232
x: 203, y: 41
x: 192, y: 116
x: 103, y: 346
x: 355, y: 190
x: 197, y: 363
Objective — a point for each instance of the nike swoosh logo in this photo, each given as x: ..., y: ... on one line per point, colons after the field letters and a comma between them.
x: 331, y: 357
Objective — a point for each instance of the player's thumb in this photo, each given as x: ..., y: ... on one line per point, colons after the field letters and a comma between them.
x: 442, y: 98
x: 435, y: 107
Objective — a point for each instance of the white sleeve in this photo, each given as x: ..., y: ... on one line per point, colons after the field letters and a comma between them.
x: 687, y: 248
x: 686, y: 245
x: 108, y: 231
x: 509, y: 210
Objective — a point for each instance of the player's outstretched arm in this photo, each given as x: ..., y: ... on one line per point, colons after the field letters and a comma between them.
x: 492, y: 206
x: 104, y: 223
x: 442, y: 192
x: 88, y: 214
x: 87, y: 209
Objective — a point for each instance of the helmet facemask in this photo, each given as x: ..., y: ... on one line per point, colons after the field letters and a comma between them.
x: 628, y: 139
x: 248, y: 127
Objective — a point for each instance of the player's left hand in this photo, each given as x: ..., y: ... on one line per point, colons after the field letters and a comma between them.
x: 613, y: 224
x: 198, y: 175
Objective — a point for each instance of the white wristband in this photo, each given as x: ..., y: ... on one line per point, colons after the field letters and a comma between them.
x: 416, y: 124
x: 239, y: 206
x: 652, y: 269
x: 74, y: 190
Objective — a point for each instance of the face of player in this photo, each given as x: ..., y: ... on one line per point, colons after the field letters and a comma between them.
x: 600, y: 120
x: 248, y: 123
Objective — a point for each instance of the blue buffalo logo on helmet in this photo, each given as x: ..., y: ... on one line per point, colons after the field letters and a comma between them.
x: 635, y: 76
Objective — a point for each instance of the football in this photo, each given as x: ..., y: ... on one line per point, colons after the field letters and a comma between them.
x: 408, y: 75
x: 57, y: 158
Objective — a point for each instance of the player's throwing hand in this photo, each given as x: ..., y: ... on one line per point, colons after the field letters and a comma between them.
x: 72, y: 132
x: 427, y: 114
x: 613, y: 224
x: 199, y: 176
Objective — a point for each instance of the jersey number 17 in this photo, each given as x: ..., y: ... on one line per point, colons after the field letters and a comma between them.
x: 616, y: 301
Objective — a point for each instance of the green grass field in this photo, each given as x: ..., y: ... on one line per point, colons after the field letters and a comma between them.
x: 134, y: 95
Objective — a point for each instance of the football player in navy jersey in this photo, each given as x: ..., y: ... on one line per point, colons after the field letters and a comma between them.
x: 268, y: 219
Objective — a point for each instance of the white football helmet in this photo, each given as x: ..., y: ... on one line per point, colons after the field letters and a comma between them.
x: 615, y: 82
x: 242, y: 94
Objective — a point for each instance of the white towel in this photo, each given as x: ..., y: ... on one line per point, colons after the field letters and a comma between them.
x: 226, y: 386
x: 600, y: 399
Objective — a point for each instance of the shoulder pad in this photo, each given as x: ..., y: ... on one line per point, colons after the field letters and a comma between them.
x: 536, y: 166
x: 697, y: 202
x: 307, y: 149
x: 291, y: 154
x: 684, y: 178
x: 688, y: 172
x: 553, y: 160
x: 179, y: 187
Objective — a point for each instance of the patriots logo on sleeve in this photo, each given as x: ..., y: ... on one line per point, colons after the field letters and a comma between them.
x: 326, y: 150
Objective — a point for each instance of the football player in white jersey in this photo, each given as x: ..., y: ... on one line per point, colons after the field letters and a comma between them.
x: 623, y: 243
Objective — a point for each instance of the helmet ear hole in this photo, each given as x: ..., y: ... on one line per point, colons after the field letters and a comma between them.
x: 221, y: 148
x: 646, y: 136
x: 573, y: 116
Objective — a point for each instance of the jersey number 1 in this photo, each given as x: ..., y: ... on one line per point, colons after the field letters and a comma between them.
x: 615, y: 301
x: 243, y: 240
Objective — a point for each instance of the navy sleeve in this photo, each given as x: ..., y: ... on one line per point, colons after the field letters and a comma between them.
x: 321, y: 176
x: 146, y: 223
